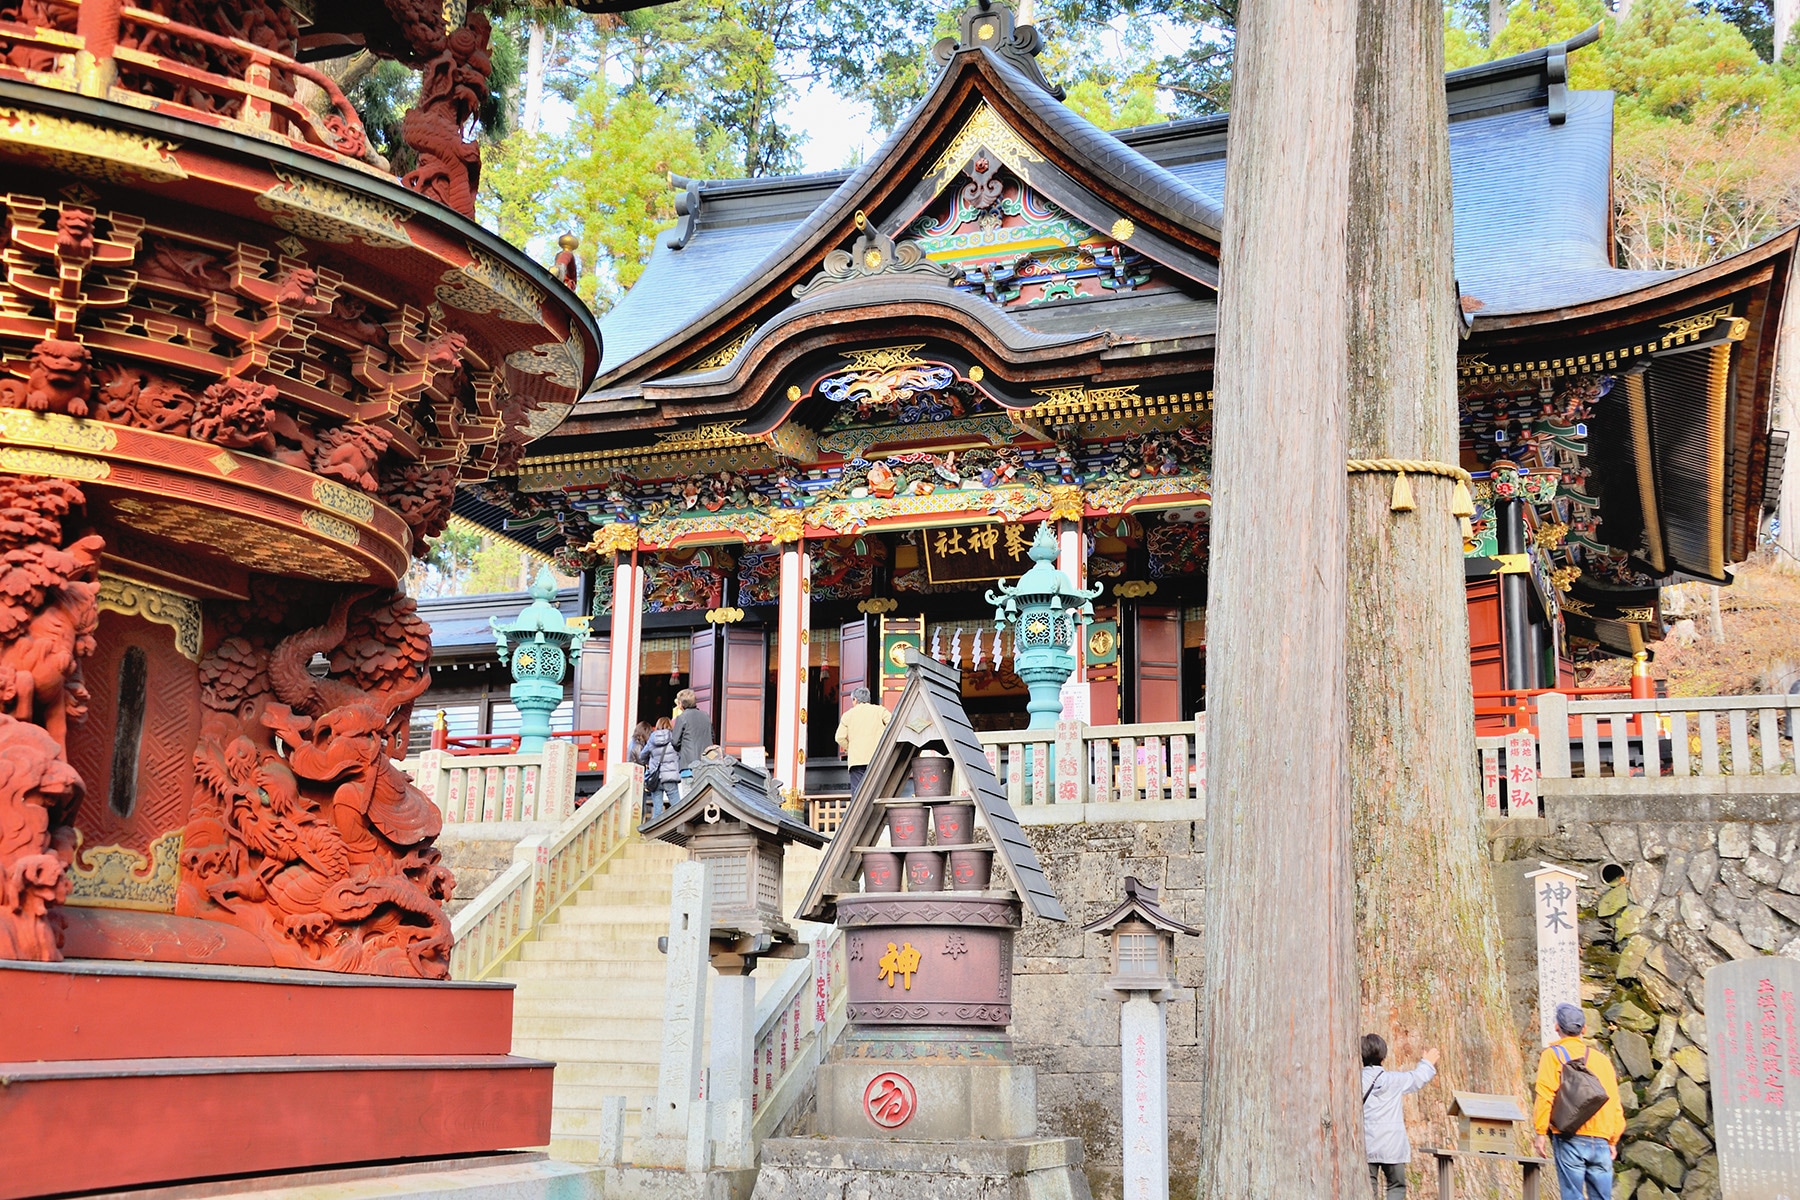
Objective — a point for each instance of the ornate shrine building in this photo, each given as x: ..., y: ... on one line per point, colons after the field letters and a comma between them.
x: 242, y: 369
x: 833, y: 408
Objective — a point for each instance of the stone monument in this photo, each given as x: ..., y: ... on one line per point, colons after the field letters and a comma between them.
x: 1141, y: 941
x: 922, y: 1094
x: 1753, y: 1058
x: 1553, y: 891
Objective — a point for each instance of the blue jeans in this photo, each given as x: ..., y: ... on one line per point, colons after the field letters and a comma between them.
x: 1584, y: 1167
x: 662, y: 797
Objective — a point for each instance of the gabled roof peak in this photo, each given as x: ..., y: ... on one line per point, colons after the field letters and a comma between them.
x: 993, y: 27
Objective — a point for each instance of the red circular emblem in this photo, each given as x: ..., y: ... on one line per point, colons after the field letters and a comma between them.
x: 890, y: 1100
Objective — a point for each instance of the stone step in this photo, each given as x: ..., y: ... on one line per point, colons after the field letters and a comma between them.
x: 611, y: 960
x: 593, y: 1095
x: 575, y: 985
x: 600, y: 1006
x: 575, y: 1150
x: 646, y: 896
x: 646, y: 919
x: 580, y: 970
x: 584, y: 1121
x: 551, y: 1025
x: 587, y: 1049
x: 614, y: 1078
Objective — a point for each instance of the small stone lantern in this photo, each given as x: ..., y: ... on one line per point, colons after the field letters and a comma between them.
x: 1046, y: 612
x: 1141, y: 937
x: 540, y: 645
x: 732, y: 820
x: 1141, y: 941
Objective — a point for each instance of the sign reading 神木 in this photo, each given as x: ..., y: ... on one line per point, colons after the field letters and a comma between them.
x: 976, y: 553
x: 1753, y: 1059
x: 1554, y: 901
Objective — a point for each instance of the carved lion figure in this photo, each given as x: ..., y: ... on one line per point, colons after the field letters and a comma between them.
x: 236, y: 413
x: 59, y: 380
x: 352, y: 454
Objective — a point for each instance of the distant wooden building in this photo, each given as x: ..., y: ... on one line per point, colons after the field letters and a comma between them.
x: 834, y: 406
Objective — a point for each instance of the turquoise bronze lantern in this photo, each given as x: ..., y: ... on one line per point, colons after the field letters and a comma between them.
x: 539, y: 646
x: 1046, y: 612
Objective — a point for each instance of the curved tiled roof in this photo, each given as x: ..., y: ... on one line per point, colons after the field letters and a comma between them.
x: 1531, y: 196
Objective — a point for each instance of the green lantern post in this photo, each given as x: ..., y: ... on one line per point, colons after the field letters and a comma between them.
x: 1046, y: 612
x: 539, y: 646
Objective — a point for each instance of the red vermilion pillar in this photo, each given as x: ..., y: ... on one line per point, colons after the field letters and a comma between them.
x: 97, y: 23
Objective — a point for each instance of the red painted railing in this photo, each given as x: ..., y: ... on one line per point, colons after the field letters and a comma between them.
x: 1516, y: 708
x: 102, y: 47
x: 590, y: 744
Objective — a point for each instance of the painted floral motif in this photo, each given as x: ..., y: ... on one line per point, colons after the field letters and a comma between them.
x: 1177, y: 550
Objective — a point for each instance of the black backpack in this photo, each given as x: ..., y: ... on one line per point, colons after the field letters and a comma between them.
x: 1579, y: 1095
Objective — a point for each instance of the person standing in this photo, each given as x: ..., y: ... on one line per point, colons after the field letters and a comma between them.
x: 662, y: 770
x: 692, y: 732
x: 1385, y: 1143
x: 1584, y: 1156
x: 858, y: 733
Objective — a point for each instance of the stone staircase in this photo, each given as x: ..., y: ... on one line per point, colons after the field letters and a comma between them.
x: 590, y: 990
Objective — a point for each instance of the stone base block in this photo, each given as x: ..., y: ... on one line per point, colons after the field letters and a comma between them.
x: 515, y: 1176
x: 667, y: 1183
x: 833, y: 1168
x: 932, y: 1102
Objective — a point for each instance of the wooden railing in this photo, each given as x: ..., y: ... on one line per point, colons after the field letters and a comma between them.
x: 112, y: 52
x: 499, y: 786
x: 795, y: 1023
x: 1066, y: 774
x: 1673, y: 739
x: 546, y: 870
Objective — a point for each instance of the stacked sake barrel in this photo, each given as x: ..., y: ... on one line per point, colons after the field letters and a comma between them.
x: 931, y: 836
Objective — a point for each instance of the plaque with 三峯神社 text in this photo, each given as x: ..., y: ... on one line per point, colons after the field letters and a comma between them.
x: 976, y: 553
x: 1753, y: 1058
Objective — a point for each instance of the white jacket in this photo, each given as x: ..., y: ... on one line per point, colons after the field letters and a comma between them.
x: 1384, y: 1123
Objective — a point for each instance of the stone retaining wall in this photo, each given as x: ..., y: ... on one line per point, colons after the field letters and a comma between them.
x: 1664, y: 902
x: 1065, y: 1019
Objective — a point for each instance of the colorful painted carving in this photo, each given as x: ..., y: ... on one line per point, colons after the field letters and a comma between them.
x: 693, y: 581
x: 39, y: 792
x: 1177, y: 550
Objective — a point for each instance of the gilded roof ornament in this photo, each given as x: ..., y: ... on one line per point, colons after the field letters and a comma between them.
x: 992, y: 27
x: 875, y: 253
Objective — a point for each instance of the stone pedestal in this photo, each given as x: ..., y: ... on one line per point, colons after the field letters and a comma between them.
x: 1013, y: 1169
x: 936, y: 1102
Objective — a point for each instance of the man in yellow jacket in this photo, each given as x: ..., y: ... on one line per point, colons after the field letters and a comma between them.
x: 1584, y: 1158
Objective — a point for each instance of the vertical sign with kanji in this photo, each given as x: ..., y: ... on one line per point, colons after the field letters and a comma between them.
x: 1144, y: 1140
x: 1490, y: 781
x: 1521, y: 774
x: 1554, y: 900
x: 1753, y: 1058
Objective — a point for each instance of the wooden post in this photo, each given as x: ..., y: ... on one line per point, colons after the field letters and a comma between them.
x: 1279, y: 889
x: 622, y: 686
x: 1427, y: 931
x: 97, y: 23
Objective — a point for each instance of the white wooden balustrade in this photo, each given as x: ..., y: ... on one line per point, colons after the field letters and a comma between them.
x: 796, y: 1022
x: 546, y: 870
x: 499, y: 787
x: 1089, y: 773
x: 1670, y: 741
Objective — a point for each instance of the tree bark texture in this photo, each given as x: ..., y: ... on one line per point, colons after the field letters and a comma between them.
x: 1428, y: 937
x: 1282, y: 1110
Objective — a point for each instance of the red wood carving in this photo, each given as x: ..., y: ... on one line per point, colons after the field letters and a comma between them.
x: 321, y: 845
x: 47, y: 620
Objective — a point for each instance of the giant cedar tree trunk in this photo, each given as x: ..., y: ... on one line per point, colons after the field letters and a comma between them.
x: 1428, y: 939
x: 1281, y: 1118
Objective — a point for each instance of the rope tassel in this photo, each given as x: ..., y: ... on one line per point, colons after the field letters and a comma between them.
x: 1402, y: 500
x: 1462, y: 507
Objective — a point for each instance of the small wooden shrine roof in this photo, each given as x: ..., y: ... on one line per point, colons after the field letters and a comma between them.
x: 744, y: 793
x: 1139, y: 902
x: 929, y: 710
x: 1486, y: 1106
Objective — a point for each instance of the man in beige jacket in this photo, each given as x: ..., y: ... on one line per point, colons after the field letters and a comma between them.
x: 859, y: 733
